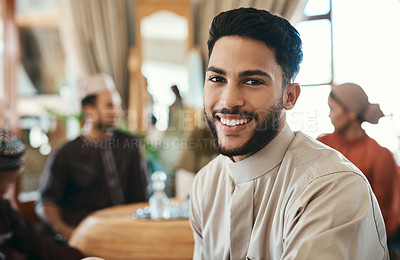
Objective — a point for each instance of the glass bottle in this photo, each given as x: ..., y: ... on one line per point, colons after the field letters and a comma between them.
x: 159, y: 201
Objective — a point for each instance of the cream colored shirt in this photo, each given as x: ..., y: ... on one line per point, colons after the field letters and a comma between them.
x: 294, y: 199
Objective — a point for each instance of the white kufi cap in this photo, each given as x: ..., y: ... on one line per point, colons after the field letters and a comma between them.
x: 95, y: 84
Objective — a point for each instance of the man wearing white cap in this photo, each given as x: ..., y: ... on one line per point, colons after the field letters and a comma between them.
x: 100, y: 168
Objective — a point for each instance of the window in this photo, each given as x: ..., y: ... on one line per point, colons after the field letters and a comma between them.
x: 310, y: 114
x: 353, y: 41
x: 164, y: 33
x: 316, y: 31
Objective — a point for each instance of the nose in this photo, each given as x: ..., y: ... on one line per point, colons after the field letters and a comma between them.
x: 117, y: 111
x: 232, y: 96
x: 113, y: 112
x: 330, y: 113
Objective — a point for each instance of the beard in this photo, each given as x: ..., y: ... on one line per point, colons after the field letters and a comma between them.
x: 266, y: 128
x: 106, y: 126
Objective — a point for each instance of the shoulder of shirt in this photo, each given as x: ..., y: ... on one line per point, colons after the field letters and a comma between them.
x: 316, y: 159
x: 209, y: 176
x: 67, y: 147
x: 215, y: 165
x: 311, y: 163
x: 375, y: 145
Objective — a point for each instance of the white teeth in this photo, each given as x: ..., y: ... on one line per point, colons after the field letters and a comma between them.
x: 234, y: 122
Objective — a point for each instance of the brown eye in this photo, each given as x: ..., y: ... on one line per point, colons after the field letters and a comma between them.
x: 217, y: 79
x: 254, y: 82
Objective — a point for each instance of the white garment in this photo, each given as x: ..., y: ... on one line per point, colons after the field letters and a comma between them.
x: 294, y: 199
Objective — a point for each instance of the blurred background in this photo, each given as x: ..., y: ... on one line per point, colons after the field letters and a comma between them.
x: 150, y: 45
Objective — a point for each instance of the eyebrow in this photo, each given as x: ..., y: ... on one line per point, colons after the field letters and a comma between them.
x: 216, y: 70
x: 246, y: 73
x: 254, y: 73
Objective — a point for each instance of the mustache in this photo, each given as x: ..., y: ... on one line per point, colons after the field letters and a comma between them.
x: 235, y: 111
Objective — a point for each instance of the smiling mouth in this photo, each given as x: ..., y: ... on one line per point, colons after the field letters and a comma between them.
x: 234, y: 122
x: 235, y: 118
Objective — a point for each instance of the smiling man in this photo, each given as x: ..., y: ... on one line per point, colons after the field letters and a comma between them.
x: 272, y: 193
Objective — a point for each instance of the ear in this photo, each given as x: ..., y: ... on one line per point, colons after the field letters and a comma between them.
x: 89, y: 111
x: 352, y: 115
x: 290, y: 95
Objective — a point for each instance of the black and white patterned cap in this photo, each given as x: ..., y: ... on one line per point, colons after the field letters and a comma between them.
x: 11, y: 151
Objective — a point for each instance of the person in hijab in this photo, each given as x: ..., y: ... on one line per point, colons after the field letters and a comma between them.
x: 19, y: 239
x: 101, y: 168
x: 349, y: 108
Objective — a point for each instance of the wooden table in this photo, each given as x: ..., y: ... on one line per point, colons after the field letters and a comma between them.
x: 113, y: 234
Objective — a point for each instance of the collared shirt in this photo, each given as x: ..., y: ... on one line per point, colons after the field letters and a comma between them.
x: 293, y: 199
x: 76, y: 180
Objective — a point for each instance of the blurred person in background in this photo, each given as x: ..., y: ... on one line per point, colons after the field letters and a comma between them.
x: 102, y: 167
x: 349, y: 108
x: 19, y: 239
x: 199, y: 150
x: 175, y: 116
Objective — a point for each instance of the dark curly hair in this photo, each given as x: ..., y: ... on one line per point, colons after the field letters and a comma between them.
x: 276, y: 32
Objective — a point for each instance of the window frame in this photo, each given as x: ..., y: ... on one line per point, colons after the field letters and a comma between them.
x: 327, y: 16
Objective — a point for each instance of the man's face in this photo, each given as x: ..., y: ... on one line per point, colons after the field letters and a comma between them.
x: 243, y: 95
x: 107, y: 111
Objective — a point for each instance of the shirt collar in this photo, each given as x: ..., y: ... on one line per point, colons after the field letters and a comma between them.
x: 264, y: 160
x: 100, y: 143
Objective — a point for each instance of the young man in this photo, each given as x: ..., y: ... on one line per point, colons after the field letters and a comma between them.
x: 18, y: 237
x: 101, y: 168
x: 273, y: 193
